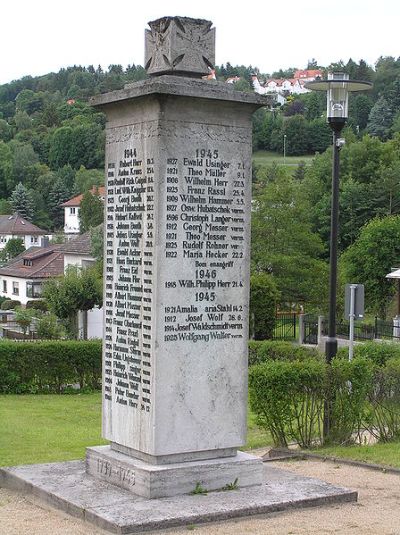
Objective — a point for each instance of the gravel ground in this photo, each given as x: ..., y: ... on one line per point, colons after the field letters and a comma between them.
x: 377, y: 511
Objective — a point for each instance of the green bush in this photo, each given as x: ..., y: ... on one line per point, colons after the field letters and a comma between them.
x: 348, y: 387
x: 263, y: 299
x: 37, y: 305
x: 10, y: 304
x: 49, y: 328
x: 378, y: 353
x: 383, y: 419
x: 288, y: 399
x: 48, y: 366
x: 266, y: 350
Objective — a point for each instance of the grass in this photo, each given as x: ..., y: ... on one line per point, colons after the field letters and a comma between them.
x: 385, y: 454
x: 256, y: 436
x: 49, y: 428
x: 263, y: 157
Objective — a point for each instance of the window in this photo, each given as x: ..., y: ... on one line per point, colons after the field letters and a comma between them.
x: 27, y: 262
x: 15, y: 288
x: 34, y: 239
x: 5, y: 286
x: 72, y: 210
x: 33, y: 289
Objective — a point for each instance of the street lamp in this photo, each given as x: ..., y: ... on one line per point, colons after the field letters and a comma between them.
x: 338, y: 86
x: 284, y: 149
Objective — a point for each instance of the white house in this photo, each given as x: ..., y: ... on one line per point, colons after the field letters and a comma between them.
x: 71, y: 211
x: 23, y: 277
x: 15, y: 226
x: 281, y: 87
x: 77, y: 252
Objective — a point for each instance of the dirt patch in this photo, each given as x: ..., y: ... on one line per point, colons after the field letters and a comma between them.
x: 377, y: 511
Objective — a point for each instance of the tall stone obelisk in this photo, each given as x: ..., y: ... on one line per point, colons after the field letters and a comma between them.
x: 177, y: 240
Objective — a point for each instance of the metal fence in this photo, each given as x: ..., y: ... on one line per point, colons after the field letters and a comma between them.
x: 310, y: 329
x: 380, y: 329
x: 285, y: 326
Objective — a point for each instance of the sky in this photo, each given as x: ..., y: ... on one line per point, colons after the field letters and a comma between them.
x: 42, y: 36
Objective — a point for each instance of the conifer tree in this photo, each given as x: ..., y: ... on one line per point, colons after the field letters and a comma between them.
x: 22, y: 202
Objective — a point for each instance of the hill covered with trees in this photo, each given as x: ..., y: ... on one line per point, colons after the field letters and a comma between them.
x: 52, y: 147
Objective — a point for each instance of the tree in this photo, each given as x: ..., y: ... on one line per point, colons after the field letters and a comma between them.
x: 13, y: 248
x: 22, y: 202
x: 58, y: 195
x: 319, y: 135
x: 371, y: 258
x: 91, y: 212
x: 85, y: 179
x: 380, y: 119
x: 283, y: 243
x: 295, y: 129
x: 264, y: 297
x: 78, y: 290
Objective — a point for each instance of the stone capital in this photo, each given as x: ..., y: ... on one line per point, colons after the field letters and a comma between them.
x: 181, y: 46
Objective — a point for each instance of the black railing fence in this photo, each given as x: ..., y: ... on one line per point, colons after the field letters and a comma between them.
x: 380, y: 329
x: 285, y: 326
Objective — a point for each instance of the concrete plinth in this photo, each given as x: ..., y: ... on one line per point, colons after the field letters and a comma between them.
x: 159, y: 481
x: 68, y: 487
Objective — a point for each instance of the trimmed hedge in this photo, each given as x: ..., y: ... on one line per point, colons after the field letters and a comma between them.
x: 263, y: 351
x: 48, y: 366
x: 288, y: 399
x: 10, y: 304
x: 288, y: 389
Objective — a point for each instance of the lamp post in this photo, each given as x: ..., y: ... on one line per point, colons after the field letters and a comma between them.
x: 338, y: 86
x: 284, y: 149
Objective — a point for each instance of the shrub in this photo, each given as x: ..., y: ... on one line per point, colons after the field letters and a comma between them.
x: 10, y: 304
x: 384, y: 402
x: 263, y: 351
x: 48, y: 366
x: 288, y: 399
x: 49, y: 328
x: 263, y: 299
x: 24, y: 318
x: 37, y: 305
x: 348, y: 387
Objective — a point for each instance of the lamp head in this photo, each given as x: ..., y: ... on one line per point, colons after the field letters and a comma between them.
x: 337, y: 87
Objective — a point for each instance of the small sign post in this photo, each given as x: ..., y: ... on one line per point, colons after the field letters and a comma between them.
x: 353, y: 309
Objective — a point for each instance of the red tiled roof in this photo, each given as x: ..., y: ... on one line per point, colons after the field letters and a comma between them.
x: 307, y: 73
x: 80, y: 245
x: 76, y: 201
x: 46, y: 262
x: 15, y: 225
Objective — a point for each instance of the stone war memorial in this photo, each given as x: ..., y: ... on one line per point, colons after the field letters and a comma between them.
x: 176, y: 293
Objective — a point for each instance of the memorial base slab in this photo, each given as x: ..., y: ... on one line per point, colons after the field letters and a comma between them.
x: 160, y: 481
x: 69, y: 488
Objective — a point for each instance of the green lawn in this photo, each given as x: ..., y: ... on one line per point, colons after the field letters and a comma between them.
x: 263, y: 157
x: 40, y: 429
x: 47, y: 428
x: 387, y: 454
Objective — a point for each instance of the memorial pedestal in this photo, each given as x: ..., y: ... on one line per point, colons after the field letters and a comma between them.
x: 177, y: 238
x: 159, y: 481
x: 177, y: 249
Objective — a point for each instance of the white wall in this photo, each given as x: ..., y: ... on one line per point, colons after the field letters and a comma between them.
x: 71, y: 220
x: 21, y: 287
x: 28, y: 239
x: 71, y: 259
x: 95, y: 323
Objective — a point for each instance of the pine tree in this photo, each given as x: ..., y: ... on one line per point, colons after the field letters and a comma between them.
x: 22, y: 202
x: 380, y: 119
x: 58, y: 195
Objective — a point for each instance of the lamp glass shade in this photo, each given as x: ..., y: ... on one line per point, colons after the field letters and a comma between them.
x: 337, y: 96
x: 337, y: 101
